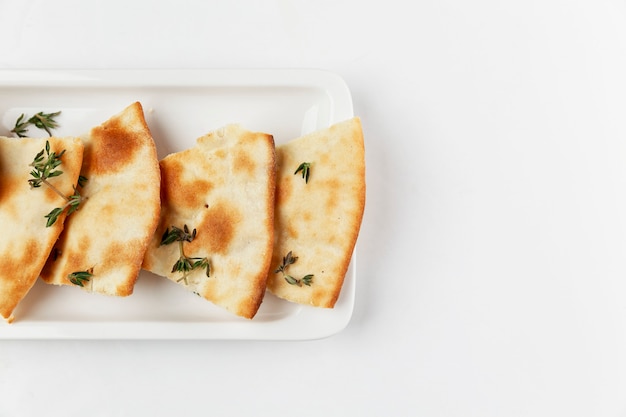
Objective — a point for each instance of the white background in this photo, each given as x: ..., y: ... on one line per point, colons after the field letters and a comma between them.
x: 491, y: 268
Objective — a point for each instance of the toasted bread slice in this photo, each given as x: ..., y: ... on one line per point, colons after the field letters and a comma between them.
x: 317, y: 221
x: 108, y: 235
x: 26, y: 241
x: 223, y: 189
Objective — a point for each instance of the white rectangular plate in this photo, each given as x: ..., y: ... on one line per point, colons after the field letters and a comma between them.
x: 179, y: 106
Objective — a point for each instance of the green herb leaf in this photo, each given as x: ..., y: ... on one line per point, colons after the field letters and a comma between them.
x: 45, y: 121
x: 289, y: 259
x: 307, y: 279
x: 80, y: 277
x: 45, y: 166
x: 21, y: 127
x: 305, y: 168
x: 184, y: 263
x: 202, y: 263
x: 81, y: 181
x: 291, y: 280
x: 40, y: 120
x: 177, y: 235
x: 53, y: 216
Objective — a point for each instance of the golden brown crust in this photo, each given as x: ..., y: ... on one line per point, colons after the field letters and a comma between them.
x: 223, y: 188
x: 110, y: 232
x: 27, y: 241
x: 318, y: 221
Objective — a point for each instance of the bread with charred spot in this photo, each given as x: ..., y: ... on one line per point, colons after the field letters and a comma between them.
x: 109, y: 234
x: 223, y: 189
x: 318, y: 217
x: 26, y: 241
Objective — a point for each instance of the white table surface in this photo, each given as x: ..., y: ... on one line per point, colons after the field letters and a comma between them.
x: 491, y: 260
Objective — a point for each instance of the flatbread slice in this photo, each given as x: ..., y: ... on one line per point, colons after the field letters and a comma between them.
x: 26, y: 241
x: 317, y: 221
x: 223, y: 189
x: 108, y: 235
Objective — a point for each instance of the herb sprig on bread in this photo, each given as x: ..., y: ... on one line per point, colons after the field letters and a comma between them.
x: 46, y: 167
x: 184, y: 263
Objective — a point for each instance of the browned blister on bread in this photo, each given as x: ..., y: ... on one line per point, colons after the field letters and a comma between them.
x: 26, y: 241
x: 110, y: 232
x: 223, y: 188
x: 318, y: 220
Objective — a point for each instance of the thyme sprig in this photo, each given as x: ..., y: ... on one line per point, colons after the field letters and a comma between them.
x: 184, y: 264
x: 21, y: 127
x: 40, y: 120
x: 80, y: 277
x: 289, y: 259
x: 45, y: 166
x: 305, y: 168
